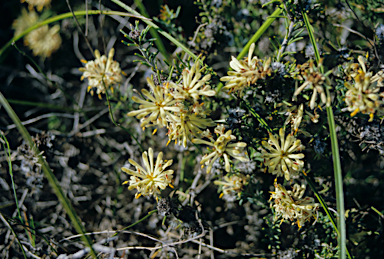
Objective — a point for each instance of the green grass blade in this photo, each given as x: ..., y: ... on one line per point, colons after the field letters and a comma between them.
x: 260, y: 32
x: 158, y: 41
x: 311, y: 37
x: 8, y: 154
x: 157, y: 28
x: 254, y: 38
x: 48, y: 173
x: 10, y: 227
x: 341, y: 240
x: 58, y: 18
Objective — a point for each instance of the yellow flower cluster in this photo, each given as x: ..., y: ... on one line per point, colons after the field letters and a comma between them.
x: 314, y: 80
x: 246, y: 72
x: 39, y: 4
x: 221, y: 147
x: 176, y: 106
x: 282, y: 158
x: 44, y: 40
x: 292, y: 206
x: 232, y: 185
x: 102, y: 73
x: 152, y: 179
x: 364, y: 94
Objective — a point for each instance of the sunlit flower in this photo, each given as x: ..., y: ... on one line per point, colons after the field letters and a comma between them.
x: 40, y: 4
x: 295, y: 116
x: 222, y: 148
x: 185, y: 124
x: 24, y: 21
x: 379, y: 78
x: 290, y: 204
x: 314, y: 80
x: 44, y: 40
x: 232, y: 185
x: 282, y: 159
x: 193, y: 86
x: 158, y: 106
x: 246, y: 71
x: 151, y: 180
x: 363, y: 96
x: 102, y: 73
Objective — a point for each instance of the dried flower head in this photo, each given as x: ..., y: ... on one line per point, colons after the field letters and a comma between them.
x: 314, y: 80
x: 44, y: 40
x: 290, y: 204
x: 246, y: 72
x: 363, y: 96
x: 151, y: 180
x: 232, y: 185
x: 222, y: 148
x: 40, y: 4
x: 24, y: 21
x: 102, y: 73
x: 193, y: 86
x: 158, y: 106
x: 282, y: 159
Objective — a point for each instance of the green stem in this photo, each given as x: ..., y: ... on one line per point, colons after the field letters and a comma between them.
x: 341, y: 240
x: 137, y: 222
x: 44, y: 105
x: 118, y: 125
x: 158, y: 29
x: 260, y: 31
x: 254, y: 38
x: 13, y: 232
x: 257, y: 116
x: 48, y: 173
x: 7, y: 148
x: 58, y: 18
x: 158, y: 42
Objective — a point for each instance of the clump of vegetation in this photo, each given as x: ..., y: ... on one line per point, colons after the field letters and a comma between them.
x: 193, y: 129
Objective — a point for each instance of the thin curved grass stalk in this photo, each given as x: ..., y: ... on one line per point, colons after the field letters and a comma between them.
x: 118, y: 125
x: 260, y: 31
x: 48, y: 173
x: 158, y: 42
x: 13, y: 232
x: 8, y: 154
x: 44, y: 105
x: 62, y: 17
x: 158, y: 29
x: 325, y: 207
x: 46, y: 77
x: 258, y: 117
x: 254, y: 38
x: 341, y: 240
x: 137, y: 222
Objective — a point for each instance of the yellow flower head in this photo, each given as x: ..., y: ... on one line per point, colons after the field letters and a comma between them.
x: 187, y: 123
x: 282, y: 158
x: 290, y: 204
x: 24, y: 21
x: 246, y: 72
x: 102, y: 73
x: 40, y: 4
x: 152, y: 179
x: 157, y: 107
x: 222, y: 148
x: 44, y: 41
x: 193, y: 86
x: 363, y: 96
x: 314, y: 80
x: 232, y: 185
